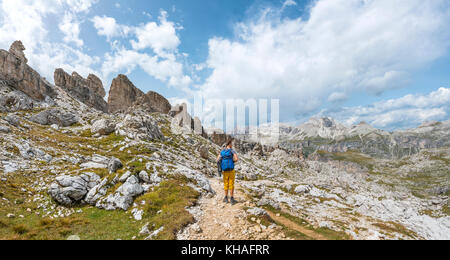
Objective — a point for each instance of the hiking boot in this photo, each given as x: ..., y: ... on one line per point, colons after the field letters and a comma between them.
x: 225, y: 200
x: 233, y: 201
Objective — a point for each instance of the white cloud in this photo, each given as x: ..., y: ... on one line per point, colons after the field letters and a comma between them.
x: 70, y: 24
x: 107, y: 26
x: 166, y: 70
x: 80, y: 5
x: 25, y: 20
x: 337, y: 97
x: 71, y: 28
x: 344, y: 46
x: 406, y: 112
x: 159, y: 38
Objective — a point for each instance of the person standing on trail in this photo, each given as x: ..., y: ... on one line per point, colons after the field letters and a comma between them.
x: 228, y: 157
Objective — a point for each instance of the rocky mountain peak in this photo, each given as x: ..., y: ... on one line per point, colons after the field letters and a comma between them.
x: 17, y: 49
x: 96, y: 84
x: 122, y: 94
x: 153, y: 102
x: 14, y: 69
x: 90, y: 91
x: 325, y: 122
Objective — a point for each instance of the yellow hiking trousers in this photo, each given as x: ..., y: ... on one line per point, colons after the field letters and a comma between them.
x: 228, y: 179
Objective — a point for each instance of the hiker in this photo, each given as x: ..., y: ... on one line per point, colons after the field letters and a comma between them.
x: 228, y: 157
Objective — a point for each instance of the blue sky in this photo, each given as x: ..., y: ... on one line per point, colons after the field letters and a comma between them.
x: 350, y: 59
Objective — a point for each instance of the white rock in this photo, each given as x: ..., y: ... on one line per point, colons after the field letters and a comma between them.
x: 103, y: 127
x: 125, y: 176
x: 74, y: 237
x: 155, y: 233
x: 302, y: 189
x: 137, y: 214
x: 123, y: 197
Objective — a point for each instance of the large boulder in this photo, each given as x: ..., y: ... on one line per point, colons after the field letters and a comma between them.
x: 55, y: 116
x: 103, y: 127
x: 114, y: 165
x: 97, y: 192
x: 303, y: 189
x: 69, y: 190
x: 139, y: 126
x: 123, y: 197
x: 15, y: 101
x: 204, y: 152
x: 14, y: 69
x: 152, y: 179
x: 12, y: 120
x: 29, y: 153
x: 122, y: 94
x: 89, y: 91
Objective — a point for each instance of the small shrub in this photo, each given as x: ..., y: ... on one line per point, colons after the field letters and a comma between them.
x: 3, y: 224
x: 20, y: 229
x: 46, y: 222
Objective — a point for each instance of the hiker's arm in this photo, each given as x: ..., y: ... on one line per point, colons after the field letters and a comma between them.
x: 218, y: 158
x: 235, y: 157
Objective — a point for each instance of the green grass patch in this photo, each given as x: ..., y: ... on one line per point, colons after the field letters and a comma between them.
x: 392, y: 227
x: 170, y: 200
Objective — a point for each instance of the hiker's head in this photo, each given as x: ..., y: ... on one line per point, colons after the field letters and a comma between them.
x: 230, y: 144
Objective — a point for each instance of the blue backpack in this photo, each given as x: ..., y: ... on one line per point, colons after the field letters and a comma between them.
x: 227, y: 160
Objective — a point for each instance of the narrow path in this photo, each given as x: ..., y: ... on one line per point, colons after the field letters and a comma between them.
x: 219, y: 221
x: 294, y: 226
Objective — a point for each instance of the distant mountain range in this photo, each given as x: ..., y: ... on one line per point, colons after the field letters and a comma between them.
x: 329, y: 135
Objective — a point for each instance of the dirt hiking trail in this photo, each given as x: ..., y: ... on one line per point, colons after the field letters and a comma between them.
x: 217, y: 220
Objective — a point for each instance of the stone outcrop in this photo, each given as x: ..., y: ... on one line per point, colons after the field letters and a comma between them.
x: 55, y: 116
x: 123, y: 197
x: 153, y: 102
x: 17, y: 49
x: 139, y: 126
x: 219, y: 138
x: 14, y: 69
x: 103, y: 127
x: 182, y: 118
x: 181, y: 115
x: 69, y: 190
x: 96, y: 84
x: 15, y: 101
x: 89, y: 91
x: 124, y: 96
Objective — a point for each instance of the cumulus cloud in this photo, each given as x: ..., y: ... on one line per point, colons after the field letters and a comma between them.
x: 107, y: 26
x: 406, y: 112
x: 166, y: 70
x: 155, y: 50
x: 71, y: 28
x: 159, y: 37
x: 25, y: 20
x: 80, y: 5
x: 337, y: 96
x: 343, y: 46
